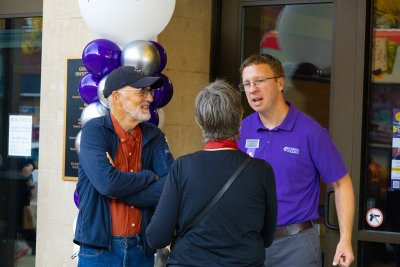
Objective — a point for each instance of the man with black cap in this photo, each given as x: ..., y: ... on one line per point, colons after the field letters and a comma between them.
x: 123, y: 162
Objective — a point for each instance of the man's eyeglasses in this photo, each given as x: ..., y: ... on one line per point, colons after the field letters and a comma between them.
x: 259, y: 82
x: 143, y: 92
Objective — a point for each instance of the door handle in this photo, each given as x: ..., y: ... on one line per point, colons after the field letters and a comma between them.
x: 328, y: 224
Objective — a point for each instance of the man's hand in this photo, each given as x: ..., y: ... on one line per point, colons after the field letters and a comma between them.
x: 344, y: 254
x: 110, y: 159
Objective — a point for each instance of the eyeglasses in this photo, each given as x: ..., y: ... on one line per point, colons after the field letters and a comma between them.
x: 259, y: 82
x: 143, y: 92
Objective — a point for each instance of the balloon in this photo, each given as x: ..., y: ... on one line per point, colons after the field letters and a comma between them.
x: 78, y: 142
x: 142, y: 55
x: 305, y: 34
x: 75, y: 248
x: 161, y: 118
x: 154, y: 116
x: 100, y: 95
x: 101, y: 56
x: 88, y: 88
x: 76, y: 199
x: 75, y: 251
x: 163, y: 95
x: 74, y: 225
x: 125, y: 20
x: 93, y: 110
x: 163, y: 56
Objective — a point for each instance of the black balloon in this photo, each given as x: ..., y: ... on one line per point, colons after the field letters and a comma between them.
x: 163, y: 95
x: 88, y: 88
x: 163, y: 56
x: 101, y: 56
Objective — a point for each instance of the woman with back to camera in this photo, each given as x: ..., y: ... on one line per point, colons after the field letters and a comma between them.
x: 236, y: 229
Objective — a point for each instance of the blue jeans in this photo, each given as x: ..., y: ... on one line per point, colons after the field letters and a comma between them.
x: 125, y: 252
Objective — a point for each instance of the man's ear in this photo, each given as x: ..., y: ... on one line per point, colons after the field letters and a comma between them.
x: 116, y: 96
x: 281, y: 83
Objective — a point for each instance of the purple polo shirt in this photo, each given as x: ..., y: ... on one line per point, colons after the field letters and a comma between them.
x: 300, y: 151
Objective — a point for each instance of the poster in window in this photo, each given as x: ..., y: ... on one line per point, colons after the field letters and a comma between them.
x: 20, y: 136
x: 395, y: 172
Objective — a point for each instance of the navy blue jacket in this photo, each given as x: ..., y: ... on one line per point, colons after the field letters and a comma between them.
x: 98, y: 180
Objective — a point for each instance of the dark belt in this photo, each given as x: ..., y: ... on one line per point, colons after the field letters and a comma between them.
x: 292, y: 229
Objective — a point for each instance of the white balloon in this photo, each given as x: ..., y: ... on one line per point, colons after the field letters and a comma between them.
x: 78, y: 142
x: 305, y: 34
x: 75, y: 251
x: 100, y: 89
x: 161, y: 118
x: 75, y: 248
x: 74, y: 225
x: 122, y: 21
x: 93, y: 110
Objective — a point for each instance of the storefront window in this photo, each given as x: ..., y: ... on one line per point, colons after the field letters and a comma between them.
x: 20, y: 74
x: 380, y: 254
x: 382, y: 174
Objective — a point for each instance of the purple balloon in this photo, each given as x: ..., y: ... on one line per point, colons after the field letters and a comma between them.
x: 163, y: 95
x: 101, y: 56
x: 163, y: 56
x: 154, y: 116
x: 76, y: 199
x: 88, y: 88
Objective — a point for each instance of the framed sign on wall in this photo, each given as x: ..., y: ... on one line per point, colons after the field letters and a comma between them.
x: 72, y: 125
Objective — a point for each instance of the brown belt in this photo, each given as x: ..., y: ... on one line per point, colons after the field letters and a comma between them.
x: 292, y: 229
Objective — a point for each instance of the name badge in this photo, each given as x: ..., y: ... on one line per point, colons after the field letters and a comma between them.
x: 252, y: 143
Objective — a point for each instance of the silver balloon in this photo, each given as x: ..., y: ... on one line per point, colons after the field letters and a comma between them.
x: 93, y: 110
x: 142, y: 55
x: 100, y: 89
x: 161, y: 118
x: 78, y: 142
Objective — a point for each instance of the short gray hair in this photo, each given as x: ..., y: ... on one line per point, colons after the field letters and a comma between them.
x: 219, y: 111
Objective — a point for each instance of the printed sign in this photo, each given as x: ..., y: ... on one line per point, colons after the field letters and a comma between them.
x: 72, y: 125
x: 374, y: 217
x: 395, y: 171
x: 20, y: 136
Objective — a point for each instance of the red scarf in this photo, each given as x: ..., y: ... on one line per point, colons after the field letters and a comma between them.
x: 221, y: 144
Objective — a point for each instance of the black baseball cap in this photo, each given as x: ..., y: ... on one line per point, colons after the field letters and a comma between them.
x: 129, y: 75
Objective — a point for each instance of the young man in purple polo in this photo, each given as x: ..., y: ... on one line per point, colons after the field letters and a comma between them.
x: 301, y: 152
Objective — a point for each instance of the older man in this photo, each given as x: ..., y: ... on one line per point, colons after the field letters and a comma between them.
x: 123, y: 162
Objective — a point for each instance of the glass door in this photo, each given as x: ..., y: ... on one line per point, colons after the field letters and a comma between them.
x: 379, y: 214
x: 300, y: 36
x: 20, y: 74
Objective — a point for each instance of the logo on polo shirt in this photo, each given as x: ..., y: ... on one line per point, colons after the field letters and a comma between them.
x: 292, y: 150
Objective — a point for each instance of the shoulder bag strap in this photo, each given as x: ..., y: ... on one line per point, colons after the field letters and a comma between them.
x: 216, y: 197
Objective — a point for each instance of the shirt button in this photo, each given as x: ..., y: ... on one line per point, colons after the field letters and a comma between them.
x: 268, y: 142
x: 130, y: 153
x: 131, y: 170
x: 133, y: 225
x: 132, y: 207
